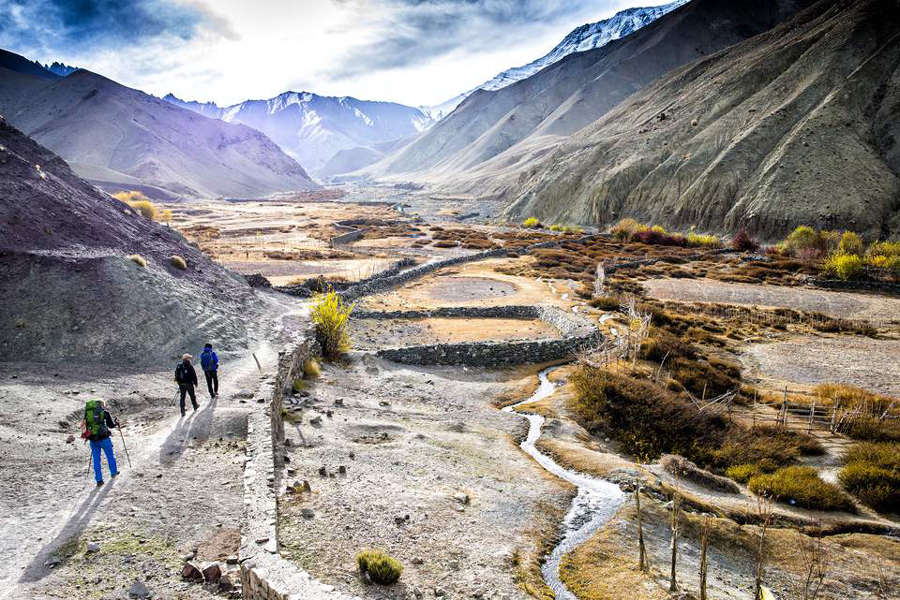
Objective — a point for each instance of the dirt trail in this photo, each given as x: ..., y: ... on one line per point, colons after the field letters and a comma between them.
x: 183, y: 486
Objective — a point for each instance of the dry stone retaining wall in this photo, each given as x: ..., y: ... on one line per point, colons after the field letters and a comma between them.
x: 577, y: 332
x: 265, y: 574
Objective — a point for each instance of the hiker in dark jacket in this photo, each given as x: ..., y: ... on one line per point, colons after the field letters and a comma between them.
x: 186, y: 378
x: 97, y: 425
x: 209, y: 362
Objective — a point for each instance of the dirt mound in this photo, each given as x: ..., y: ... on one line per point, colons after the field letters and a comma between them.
x: 69, y: 290
x: 796, y: 125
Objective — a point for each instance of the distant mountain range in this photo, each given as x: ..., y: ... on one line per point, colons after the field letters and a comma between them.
x: 587, y: 37
x: 313, y: 128
x: 118, y: 137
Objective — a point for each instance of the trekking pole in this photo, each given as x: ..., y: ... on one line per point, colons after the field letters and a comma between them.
x: 123, y: 445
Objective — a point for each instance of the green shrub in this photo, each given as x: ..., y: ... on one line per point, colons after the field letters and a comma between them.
x: 744, y: 473
x: 556, y: 228
x: 872, y: 474
x: 802, y: 238
x: 846, y: 267
x: 380, y: 567
x: 871, y: 428
x: 659, y: 229
x: 178, y: 262
x: 138, y: 260
x: 531, y: 223
x: 801, y: 486
x: 330, y: 315
x: 850, y: 244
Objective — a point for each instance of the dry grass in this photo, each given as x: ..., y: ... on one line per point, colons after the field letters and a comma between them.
x: 379, y: 567
x: 178, y: 262
x: 872, y: 474
x: 138, y: 260
x: 310, y: 368
x: 802, y: 487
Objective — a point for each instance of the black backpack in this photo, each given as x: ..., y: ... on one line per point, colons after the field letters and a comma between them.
x: 181, y: 374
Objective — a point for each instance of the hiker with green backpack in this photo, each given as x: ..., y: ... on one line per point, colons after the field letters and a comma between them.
x: 98, y: 424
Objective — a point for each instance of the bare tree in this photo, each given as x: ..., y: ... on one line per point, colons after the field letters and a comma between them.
x: 637, y: 328
x: 815, y: 558
x: 765, y: 514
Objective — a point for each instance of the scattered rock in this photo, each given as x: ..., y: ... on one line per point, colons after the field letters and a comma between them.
x: 232, y: 560
x: 439, y: 592
x: 461, y: 498
x: 342, y: 470
x: 225, y: 583
x: 339, y: 402
x: 306, y: 487
x: 307, y: 513
x: 138, y: 590
x: 189, y: 556
x: 317, y: 420
x: 212, y: 573
x: 323, y: 471
x: 93, y: 547
x: 190, y: 572
x: 70, y: 439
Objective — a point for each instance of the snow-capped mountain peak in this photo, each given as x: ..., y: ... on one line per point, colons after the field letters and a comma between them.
x: 586, y: 37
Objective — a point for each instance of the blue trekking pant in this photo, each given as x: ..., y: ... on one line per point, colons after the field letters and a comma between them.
x: 106, y: 445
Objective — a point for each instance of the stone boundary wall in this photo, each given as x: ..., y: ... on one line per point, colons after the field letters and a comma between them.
x: 577, y: 332
x: 265, y: 574
x: 304, y: 290
x: 346, y: 238
x: 889, y: 287
x: 652, y: 261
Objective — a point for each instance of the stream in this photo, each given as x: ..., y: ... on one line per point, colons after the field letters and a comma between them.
x: 594, y: 505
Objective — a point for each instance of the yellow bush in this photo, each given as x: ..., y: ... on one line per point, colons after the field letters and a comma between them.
x: 884, y: 249
x: 178, y: 262
x: 138, y: 260
x: 531, y: 223
x: 310, y: 368
x: 704, y: 241
x: 658, y: 229
x: 850, y: 243
x: 330, y: 316
x: 625, y: 227
x: 139, y: 202
x: 845, y: 266
x: 380, y: 567
x: 556, y: 228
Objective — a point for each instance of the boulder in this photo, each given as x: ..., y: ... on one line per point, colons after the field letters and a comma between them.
x: 190, y: 572
x: 212, y: 573
x: 138, y: 590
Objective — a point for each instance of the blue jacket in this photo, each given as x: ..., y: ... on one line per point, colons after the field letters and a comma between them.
x: 209, y: 361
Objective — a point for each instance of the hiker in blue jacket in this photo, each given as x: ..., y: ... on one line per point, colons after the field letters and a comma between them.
x: 210, y: 364
x: 98, y: 424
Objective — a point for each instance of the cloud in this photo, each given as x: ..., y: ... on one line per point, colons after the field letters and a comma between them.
x: 61, y: 27
x: 407, y: 32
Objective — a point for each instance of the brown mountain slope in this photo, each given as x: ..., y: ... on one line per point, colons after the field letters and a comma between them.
x: 67, y: 290
x: 119, y: 137
x: 797, y: 125
x: 578, y: 89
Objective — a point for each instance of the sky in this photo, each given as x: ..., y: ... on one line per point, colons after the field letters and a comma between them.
x: 416, y: 52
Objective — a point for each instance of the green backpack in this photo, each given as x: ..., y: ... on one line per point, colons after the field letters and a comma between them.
x: 94, y: 421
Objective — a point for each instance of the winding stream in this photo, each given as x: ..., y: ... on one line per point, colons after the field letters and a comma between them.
x: 595, y: 504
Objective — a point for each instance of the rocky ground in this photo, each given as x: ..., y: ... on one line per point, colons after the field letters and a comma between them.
x: 417, y: 462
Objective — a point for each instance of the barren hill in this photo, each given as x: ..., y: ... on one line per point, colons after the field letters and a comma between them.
x: 575, y: 91
x: 122, y: 138
x: 68, y: 290
x: 797, y: 125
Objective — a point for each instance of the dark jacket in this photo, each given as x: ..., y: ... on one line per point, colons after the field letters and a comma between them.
x: 110, y: 425
x: 189, y: 374
x: 209, y: 361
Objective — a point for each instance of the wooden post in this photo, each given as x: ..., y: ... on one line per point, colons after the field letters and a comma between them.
x: 704, y: 542
x: 676, y: 505
x: 812, y: 413
x: 642, y: 552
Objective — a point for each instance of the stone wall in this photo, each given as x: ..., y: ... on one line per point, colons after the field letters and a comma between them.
x: 265, y: 574
x: 576, y: 332
x: 889, y: 287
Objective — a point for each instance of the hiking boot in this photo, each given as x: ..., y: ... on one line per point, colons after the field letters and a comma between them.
x: 99, y: 483
x: 116, y: 474
x: 182, y: 413
x: 196, y: 406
